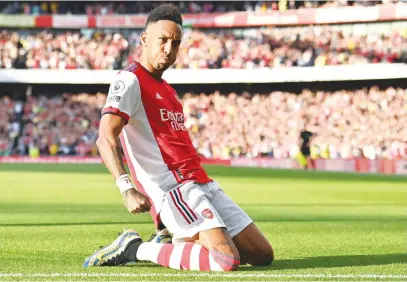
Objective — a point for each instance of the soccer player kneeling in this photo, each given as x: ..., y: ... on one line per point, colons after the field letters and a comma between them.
x: 211, y: 233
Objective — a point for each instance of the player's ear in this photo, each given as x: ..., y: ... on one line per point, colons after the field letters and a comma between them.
x: 143, y: 38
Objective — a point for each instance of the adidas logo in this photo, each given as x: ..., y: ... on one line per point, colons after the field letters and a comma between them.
x: 158, y: 96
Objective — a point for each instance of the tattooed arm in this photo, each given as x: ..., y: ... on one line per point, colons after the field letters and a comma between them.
x: 223, y: 243
x: 109, y: 148
x: 108, y: 144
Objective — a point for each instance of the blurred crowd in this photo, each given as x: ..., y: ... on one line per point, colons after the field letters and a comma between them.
x: 367, y: 123
x: 56, y: 125
x: 11, y: 112
x: 253, y: 48
x: 133, y: 7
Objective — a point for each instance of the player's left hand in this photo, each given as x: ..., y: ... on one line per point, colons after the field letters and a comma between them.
x: 135, y: 202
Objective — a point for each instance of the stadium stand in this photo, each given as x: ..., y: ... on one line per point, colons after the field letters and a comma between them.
x: 253, y: 76
x: 368, y: 123
x: 313, y: 46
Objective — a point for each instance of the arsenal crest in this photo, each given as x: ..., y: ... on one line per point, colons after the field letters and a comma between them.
x: 207, y: 213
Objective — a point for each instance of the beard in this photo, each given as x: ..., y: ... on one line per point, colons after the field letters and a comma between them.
x: 163, y: 66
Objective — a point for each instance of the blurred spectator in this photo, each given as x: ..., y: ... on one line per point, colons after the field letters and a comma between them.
x: 368, y: 123
x: 253, y: 48
x: 10, y: 124
x: 61, y: 125
x: 68, y: 50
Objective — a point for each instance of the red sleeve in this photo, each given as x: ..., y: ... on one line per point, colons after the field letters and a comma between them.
x: 117, y: 112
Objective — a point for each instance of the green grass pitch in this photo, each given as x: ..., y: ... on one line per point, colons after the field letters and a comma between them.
x: 323, y: 226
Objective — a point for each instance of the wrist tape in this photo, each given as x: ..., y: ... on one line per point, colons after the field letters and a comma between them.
x: 124, y: 183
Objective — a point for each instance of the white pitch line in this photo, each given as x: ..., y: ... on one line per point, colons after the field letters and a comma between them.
x: 186, y: 275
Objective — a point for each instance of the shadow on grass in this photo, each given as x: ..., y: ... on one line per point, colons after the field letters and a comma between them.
x: 247, y: 172
x: 331, y: 262
x: 70, y: 223
x: 258, y: 220
x: 315, y: 262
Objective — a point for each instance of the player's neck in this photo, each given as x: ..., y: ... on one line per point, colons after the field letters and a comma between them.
x: 148, y: 67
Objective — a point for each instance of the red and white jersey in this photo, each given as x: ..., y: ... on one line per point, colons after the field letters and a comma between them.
x: 156, y: 143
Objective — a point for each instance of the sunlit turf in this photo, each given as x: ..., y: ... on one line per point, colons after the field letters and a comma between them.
x: 53, y: 216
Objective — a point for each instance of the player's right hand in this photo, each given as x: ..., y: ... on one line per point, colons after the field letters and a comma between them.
x: 135, y: 202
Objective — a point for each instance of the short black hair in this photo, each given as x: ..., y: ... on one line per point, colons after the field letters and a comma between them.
x: 165, y: 12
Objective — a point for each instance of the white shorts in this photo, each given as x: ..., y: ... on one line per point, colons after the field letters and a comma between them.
x: 192, y: 208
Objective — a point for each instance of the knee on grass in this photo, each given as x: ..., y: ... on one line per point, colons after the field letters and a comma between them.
x: 263, y: 258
